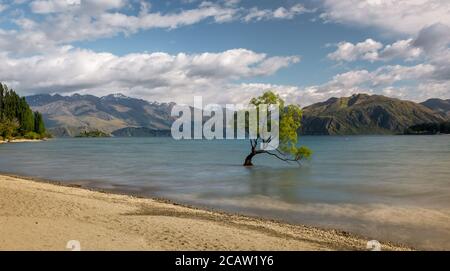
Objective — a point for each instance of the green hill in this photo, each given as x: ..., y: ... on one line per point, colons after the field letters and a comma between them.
x: 365, y: 114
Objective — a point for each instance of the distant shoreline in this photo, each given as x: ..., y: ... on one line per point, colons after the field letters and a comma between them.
x: 21, y: 141
x: 42, y: 215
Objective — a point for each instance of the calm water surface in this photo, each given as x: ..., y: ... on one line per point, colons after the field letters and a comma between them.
x: 384, y: 187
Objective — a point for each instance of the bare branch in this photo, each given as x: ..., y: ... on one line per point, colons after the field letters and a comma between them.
x: 268, y: 140
x: 284, y: 159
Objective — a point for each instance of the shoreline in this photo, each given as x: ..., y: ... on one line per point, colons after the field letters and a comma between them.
x: 41, y: 214
x: 21, y: 140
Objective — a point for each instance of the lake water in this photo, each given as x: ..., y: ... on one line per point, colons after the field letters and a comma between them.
x: 383, y: 187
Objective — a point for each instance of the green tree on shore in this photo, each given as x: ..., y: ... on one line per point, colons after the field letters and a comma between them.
x: 39, y: 126
x: 8, y: 128
x: 16, y: 116
x: 27, y: 119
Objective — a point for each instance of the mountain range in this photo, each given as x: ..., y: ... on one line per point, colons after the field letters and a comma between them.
x: 439, y: 105
x: 68, y: 115
x: 125, y: 116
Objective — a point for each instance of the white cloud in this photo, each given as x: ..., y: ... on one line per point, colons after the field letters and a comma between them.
x: 150, y: 75
x: 388, y: 75
x: 62, y: 22
x: 3, y: 7
x: 52, y: 6
x: 55, y: 6
x: 403, y: 49
x: 256, y: 14
x: 41, y: 47
x: 382, y: 80
x: 68, y: 21
x: 383, y: 76
x: 379, y: 81
x: 166, y: 77
x: 398, y: 16
x: 346, y: 51
x: 371, y: 50
x: 422, y: 28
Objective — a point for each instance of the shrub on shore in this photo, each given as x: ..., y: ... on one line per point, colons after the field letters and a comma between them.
x: 32, y: 135
x: 94, y: 133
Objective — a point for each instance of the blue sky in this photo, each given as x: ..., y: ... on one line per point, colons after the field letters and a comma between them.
x: 227, y: 50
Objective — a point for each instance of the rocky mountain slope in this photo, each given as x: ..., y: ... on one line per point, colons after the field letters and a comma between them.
x: 439, y: 105
x: 365, y: 114
x: 68, y: 115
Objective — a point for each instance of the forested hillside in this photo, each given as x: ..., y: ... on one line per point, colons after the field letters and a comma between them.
x: 17, y: 120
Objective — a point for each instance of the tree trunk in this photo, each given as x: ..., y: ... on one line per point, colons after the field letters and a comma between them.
x: 248, y: 159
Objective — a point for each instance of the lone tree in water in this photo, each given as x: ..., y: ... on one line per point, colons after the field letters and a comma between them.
x: 289, y: 122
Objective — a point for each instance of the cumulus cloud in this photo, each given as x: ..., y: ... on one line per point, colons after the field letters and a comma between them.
x: 430, y: 45
x: 170, y: 77
x: 215, y: 76
x: 371, y: 50
x: 95, y: 19
x: 346, y: 51
x: 62, y: 22
x: 402, y: 49
x: 256, y: 14
x: 382, y: 80
x: 41, y: 47
x: 379, y: 81
x: 423, y: 31
x: 383, y: 76
x: 399, y: 16
x: 52, y: 6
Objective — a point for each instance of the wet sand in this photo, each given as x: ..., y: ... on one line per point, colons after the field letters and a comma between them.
x: 44, y: 216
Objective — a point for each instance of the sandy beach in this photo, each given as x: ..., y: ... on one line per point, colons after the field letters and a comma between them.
x: 44, y: 216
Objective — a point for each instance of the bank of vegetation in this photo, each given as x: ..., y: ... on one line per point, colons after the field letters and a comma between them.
x: 94, y: 133
x: 17, y: 120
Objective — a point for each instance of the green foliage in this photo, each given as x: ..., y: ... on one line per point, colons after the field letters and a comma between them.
x: 39, y: 126
x: 289, y: 123
x: 268, y: 98
x: 15, y: 110
x: 26, y: 117
x: 8, y: 128
x: 94, y: 133
x: 32, y: 135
